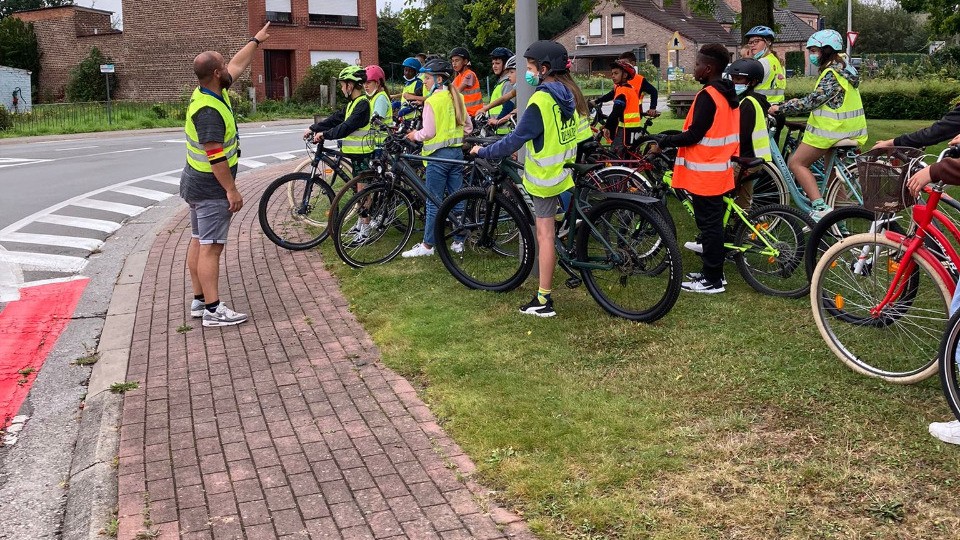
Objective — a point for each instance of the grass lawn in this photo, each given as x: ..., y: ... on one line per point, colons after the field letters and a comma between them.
x: 729, y: 418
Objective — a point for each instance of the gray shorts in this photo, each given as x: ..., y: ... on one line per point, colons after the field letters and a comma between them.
x: 210, y: 220
x: 546, y: 207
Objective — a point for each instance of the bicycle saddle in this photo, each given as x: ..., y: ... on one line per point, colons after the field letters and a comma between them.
x: 846, y: 143
x: 747, y: 162
x: 795, y: 125
x: 583, y: 168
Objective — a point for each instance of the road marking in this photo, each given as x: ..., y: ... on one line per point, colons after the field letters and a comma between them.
x: 44, y: 261
x: 10, y: 277
x: 119, y: 208
x: 88, y: 244
x: 253, y: 164
x: 115, y: 152
x: 165, y: 179
x: 13, y: 162
x: 82, y: 223
x: 177, y: 141
x: 284, y: 157
x: 74, y: 148
x: 143, y: 193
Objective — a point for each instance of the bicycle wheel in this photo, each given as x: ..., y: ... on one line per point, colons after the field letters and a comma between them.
x: 948, y: 366
x: 293, y: 211
x: 845, y: 222
x: 498, y: 243
x: 373, y: 226
x: 837, y: 195
x: 898, y: 344
x: 768, y: 187
x: 631, y: 262
x: 348, y: 190
x: 770, y: 250
x: 625, y: 180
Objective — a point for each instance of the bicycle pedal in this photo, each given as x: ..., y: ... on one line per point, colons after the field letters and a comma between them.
x: 573, y: 283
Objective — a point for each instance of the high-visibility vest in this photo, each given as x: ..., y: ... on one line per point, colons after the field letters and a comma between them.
x: 495, y: 111
x: 774, y: 86
x: 388, y: 119
x: 196, y: 155
x: 410, y: 88
x: 583, y: 127
x: 360, y: 141
x: 471, y: 94
x: 636, y: 82
x: 631, y: 112
x: 705, y: 168
x: 448, y: 133
x: 827, y: 126
x: 760, y: 136
x: 543, y: 172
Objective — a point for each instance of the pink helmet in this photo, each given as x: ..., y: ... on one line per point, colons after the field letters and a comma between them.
x: 374, y: 73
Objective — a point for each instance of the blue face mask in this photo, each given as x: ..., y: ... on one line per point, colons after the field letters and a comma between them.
x: 760, y: 54
x: 814, y: 60
x: 740, y: 88
x: 531, y: 78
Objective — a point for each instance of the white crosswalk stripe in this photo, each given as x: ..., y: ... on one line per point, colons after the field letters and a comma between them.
x: 44, y: 261
x: 77, y: 242
x: 166, y: 180
x: 252, y: 163
x: 143, y: 193
x: 118, y: 208
x: 79, y: 222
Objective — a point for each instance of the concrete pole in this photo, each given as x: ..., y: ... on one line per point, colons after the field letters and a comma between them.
x: 849, y: 26
x: 527, y: 30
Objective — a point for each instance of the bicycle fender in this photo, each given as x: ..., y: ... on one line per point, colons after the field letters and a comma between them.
x: 641, y: 199
x: 927, y: 256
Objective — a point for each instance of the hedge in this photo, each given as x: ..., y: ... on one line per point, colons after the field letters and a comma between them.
x: 898, y: 100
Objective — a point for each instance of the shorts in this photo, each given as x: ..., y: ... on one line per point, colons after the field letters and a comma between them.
x: 547, y: 207
x: 210, y: 220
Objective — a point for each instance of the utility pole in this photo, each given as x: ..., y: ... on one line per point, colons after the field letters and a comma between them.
x: 527, y: 30
x: 849, y: 26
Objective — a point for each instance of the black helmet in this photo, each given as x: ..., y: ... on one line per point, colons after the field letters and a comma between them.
x: 501, y: 52
x: 548, y: 52
x: 438, y: 66
x: 746, y: 67
x: 460, y: 51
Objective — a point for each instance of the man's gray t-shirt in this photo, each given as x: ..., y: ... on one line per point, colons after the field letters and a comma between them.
x: 201, y: 186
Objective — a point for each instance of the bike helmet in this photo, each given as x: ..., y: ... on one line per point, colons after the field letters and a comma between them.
x: 352, y: 73
x: 760, y: 31
x: 375, y: 73
x: 412, y: 63
x: 501, y: 52
x: 550, y: 53
x: 826, y: 38
x: 511, y: 63
x: 746, y: 67
x: 625, y: 67
x: 460, y: 51
x: 438, y: 66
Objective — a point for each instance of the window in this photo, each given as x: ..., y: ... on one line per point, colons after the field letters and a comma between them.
x: 278, y: 11
x: 334, y: 12
x: 596, y: 27
x: 616, y: 25
x: 350, y: 57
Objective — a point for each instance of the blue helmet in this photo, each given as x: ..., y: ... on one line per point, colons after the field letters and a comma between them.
x: 826, y: 38
x: 502, y: 53
x: 760, y: 31
x: 412, y: 63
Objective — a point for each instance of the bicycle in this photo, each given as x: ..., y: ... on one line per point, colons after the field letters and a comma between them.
x: 613, y: 243
x: 293, y: 209
x: 880, y: 298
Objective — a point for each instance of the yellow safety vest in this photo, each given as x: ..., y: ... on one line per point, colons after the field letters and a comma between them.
x: 774, y: 86
x: 360, y: 141
x: 410, y: 88
x: 760, y: 136
x: 543, y: 172
x: 448, y: 133
x: 827, y: 126
x: 495, y: 111
x: 380, y: 137
x: 196, y: 155
x: 583, y: 127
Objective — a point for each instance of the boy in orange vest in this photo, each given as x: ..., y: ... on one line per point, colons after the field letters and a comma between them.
x: 466, y: 80
x: 710, y: 137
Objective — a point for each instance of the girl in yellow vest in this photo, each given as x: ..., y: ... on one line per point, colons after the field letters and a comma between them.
x: 548, y: 128
x: 445, y: 122
x: 759, y: 45
x: 836, y: 113
x: 466, y: 81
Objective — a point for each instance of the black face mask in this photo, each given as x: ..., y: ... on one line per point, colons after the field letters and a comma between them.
x: 226, y: 80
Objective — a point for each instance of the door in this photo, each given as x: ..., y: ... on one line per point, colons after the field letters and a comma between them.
x: 277, y: 67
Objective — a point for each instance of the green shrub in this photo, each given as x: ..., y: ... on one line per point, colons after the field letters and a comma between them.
x: 159, y: 111
x: 308, y: 90
x: 947, y: 57
x: 6, y: 121
x: 795, y: 60
x: 906, y: 99
x: 240, y: 103
x: 87, y: 83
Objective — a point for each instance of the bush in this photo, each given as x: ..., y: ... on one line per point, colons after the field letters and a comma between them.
x: 240, y: 103
x: 909, y: 99
x: 6, y: 122
x: 159, y: 111
x: 947, y: 57
x: 795, y: 61
x: 319, y: 74
x: 87, y: 83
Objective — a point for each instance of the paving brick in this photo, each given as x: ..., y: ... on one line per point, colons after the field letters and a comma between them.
x: 254, y: 513
x: 287, y: 522
x: 279, y: 498
x: 346, y: 514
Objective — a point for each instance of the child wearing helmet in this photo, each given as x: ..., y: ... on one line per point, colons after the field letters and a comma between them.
x: 836, y: 113
x: 498, y: 107
x: 623, y: 122
x: 747, y: 74
x: 759, y: 43
x: 466, y: 81
x: 445, y: 123
x: 638, y: 82
x: 375, y: 87
x: 412, y: 93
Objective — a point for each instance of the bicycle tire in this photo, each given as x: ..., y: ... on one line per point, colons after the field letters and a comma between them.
x: 348, y: 190
x: 294, y: 209
x: 855, y: 220
x: 785, y: 229
x: 948, y: 366
x: 896, y: 345
x: 769, y: 187
x: 632, y: 181
x: 490, y: 261
x: 835, y: 193
x: 390, y: 213
x: 631, y: 228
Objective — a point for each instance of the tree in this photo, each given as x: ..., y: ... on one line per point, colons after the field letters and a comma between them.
x: 86, y: 81
x: 883, y: 29
x: 19, y: 47
x: 12, y: 6
x: 391, y: 45
x: 944, y: 14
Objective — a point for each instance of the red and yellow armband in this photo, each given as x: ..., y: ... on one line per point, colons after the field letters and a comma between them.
x: 216, y: 155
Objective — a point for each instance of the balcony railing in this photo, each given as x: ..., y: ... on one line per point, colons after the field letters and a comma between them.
x: 314, y: 21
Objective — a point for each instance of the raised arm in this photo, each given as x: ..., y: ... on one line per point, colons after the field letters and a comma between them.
x: 240, y: 61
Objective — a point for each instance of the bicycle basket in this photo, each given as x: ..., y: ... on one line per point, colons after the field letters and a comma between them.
x: 883, y: 176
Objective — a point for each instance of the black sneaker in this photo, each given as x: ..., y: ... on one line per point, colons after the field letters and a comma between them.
x: 702, y: 286
x: 534, y: 307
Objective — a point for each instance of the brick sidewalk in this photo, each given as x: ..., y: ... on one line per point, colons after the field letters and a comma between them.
x: 286, y: 426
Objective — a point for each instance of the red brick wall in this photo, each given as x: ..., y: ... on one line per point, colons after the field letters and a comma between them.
x: 92, y: 23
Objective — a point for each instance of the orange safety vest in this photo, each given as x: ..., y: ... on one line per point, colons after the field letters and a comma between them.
x: 471, y: 94
x: 631, y: 112
x: 705, y: 168
x: 636, y: 82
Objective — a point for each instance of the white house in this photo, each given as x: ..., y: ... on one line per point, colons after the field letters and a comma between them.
x: 15, y: 81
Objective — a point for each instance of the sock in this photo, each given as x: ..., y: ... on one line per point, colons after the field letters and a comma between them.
x: 198, y: 297
x: 819, y: 204
x: 212, y: 306
x: 543, y: 295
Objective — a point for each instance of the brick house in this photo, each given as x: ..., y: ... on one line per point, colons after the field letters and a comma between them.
x: 154, y: 52
x: 793, y: 29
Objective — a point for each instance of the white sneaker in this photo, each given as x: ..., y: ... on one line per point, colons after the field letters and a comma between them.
x: 695, y: 247
x: 701, y: 286
x: 223, y: 316
x: 456, y: 247
x: 697, y: 276
x: 417, y: 251
x: 948, y: 432
x: 197, y: 308
x: 817, y: 215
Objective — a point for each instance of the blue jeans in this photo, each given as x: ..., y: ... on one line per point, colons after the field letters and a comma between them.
x: 440, y: 178
x: 955, y: 303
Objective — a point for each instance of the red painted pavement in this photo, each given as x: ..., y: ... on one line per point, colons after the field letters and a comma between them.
x: 29, y: 328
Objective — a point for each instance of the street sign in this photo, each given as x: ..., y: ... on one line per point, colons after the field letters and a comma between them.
x: 852, y: 38
x: 107, y: 68
x: 936, y: 46
x: 674, y: 73
x: 676, y: 44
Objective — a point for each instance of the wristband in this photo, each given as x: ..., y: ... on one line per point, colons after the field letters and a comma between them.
x: 255, y: 40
